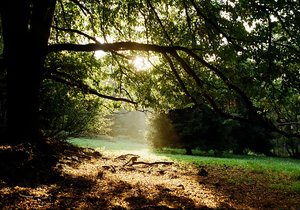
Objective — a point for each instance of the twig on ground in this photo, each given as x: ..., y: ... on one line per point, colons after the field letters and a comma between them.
x: 25, y: 196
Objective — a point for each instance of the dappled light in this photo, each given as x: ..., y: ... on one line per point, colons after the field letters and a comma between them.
x: 149, y: 105
x: 100, y: 54
x: 143, y: 185
x: 104, y: 182
x: 84, y: 178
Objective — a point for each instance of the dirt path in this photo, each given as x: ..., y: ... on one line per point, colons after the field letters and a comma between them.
x: 89, y: 180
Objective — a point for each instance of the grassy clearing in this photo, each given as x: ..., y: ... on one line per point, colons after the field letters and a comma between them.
x: 106, y: 143
x: 120, y: 145
x: 255, y: 163
x: 280, y: 173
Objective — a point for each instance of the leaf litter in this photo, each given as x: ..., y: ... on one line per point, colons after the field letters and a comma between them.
x: 86, y: 179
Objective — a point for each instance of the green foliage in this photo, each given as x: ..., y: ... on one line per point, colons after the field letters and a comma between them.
x: 161, y: 132
x: 68, y: 108
x: 248, y: 137
x: 66, y: 112
x: 252, y: 44
x: 202, y: 128
x: 240, y: 58
x: 188, y: 128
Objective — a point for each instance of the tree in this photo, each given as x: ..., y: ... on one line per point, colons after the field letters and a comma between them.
x: 25, y: 31
x: 65, y: 112
x: 161, y: 132
x: 226, y: 54
x: 248, y: 137
x: 202, y: 128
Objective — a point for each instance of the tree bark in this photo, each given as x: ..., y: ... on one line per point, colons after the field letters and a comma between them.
x: 26, y: 29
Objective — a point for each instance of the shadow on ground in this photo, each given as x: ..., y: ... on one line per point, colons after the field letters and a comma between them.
x: 74, y: 178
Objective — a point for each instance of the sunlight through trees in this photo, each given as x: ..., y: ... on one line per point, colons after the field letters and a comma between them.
x: 240, y: 58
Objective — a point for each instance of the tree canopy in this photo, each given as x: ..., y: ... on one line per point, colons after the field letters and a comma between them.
x: 240, y: 58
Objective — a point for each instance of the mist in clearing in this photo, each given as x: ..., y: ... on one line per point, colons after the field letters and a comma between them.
x: 128, y: 135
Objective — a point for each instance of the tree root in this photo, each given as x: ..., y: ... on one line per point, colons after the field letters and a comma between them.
x: 123, y: 157
x: 133, y: 161
x: 150, y: 164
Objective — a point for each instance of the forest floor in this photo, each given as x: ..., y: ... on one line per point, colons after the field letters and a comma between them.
x: 86, y: 179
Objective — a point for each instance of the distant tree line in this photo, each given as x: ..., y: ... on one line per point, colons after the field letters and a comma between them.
x: 201, y: 128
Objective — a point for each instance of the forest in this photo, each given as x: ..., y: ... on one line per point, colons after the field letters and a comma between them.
x: 221, y: 77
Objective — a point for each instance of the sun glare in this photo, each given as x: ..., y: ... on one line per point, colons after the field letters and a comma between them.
x: 142, y: 63
x: 99, y: 54
x: 108, y: 39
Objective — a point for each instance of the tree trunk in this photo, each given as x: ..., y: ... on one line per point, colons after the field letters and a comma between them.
x: 188, y: 151
x: 26, y: 29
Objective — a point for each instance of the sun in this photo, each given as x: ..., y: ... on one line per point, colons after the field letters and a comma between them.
x: 141, y: 63
x: 100, y: 54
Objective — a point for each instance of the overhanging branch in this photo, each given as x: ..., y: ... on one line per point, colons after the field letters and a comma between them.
x: 117, y: 46
x: 225, y: 79
x: 75, y: 31
x: 86, y: 89
x: 180, y: 81
x: 172, y: 50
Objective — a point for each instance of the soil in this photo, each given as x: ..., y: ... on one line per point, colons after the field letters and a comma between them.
x: 85, y: 179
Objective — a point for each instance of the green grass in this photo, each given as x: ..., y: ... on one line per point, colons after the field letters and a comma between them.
x: 110, y: 144
x: 251, y: 162
x: 283, y: 173
x: 256, y: 163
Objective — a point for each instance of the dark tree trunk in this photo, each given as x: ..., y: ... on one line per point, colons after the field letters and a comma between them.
x: 188, y: 151
x: 26, y: 29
